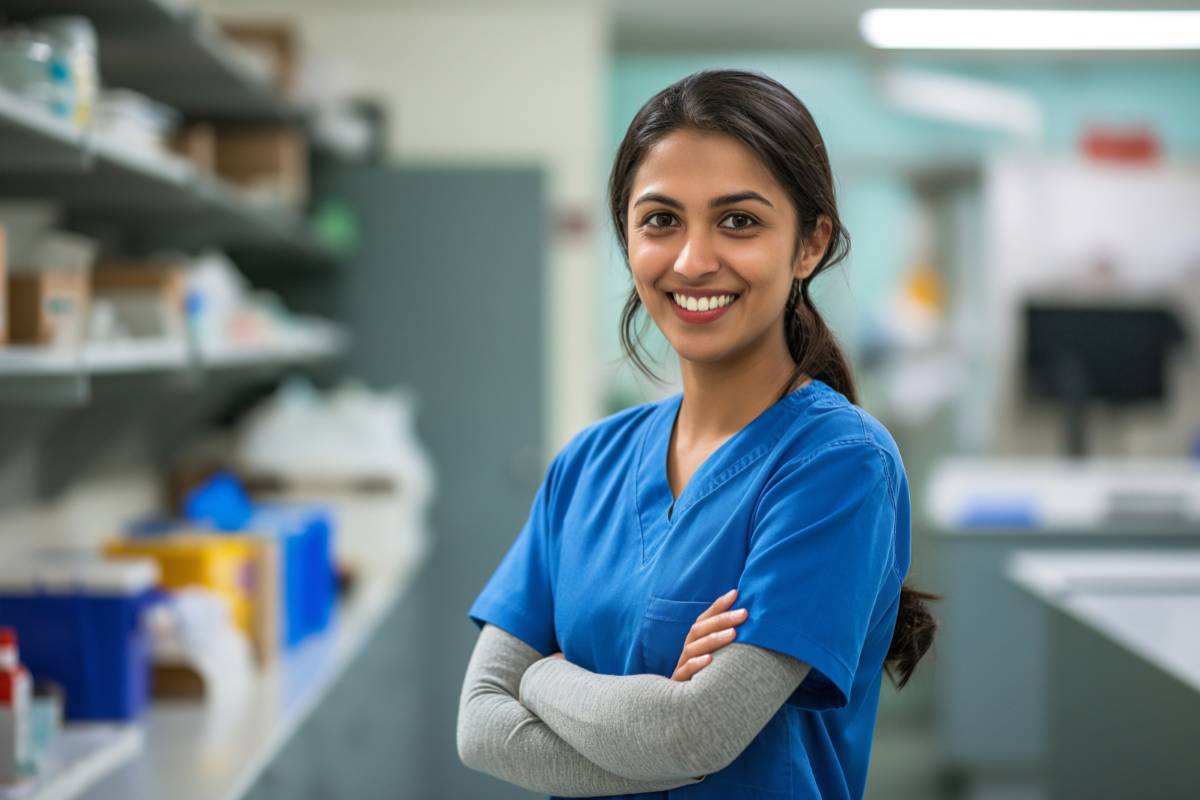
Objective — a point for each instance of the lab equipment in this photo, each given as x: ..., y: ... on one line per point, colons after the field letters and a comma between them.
x: 1082, y: 353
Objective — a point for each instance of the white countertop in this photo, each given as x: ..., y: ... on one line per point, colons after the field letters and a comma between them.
x: 206, y: 751
x: 968, y: 496
x: 1145, y: 602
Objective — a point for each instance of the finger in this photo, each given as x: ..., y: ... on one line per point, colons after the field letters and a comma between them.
x: 687, y: 669
x: 709, y: 644
x: 720, y: 604
x: 728, y: 619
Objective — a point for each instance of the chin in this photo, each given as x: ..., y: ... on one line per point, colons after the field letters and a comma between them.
x: 703, y: 355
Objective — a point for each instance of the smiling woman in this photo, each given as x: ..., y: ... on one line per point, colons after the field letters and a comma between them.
x: 774, y: 207
x: 611, y: 661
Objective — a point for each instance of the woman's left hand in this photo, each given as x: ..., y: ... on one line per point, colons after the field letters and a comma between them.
x: 713, y: 629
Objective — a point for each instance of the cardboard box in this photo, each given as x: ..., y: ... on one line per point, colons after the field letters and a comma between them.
x: 198, y: 144
x: 274, y: 43
x: 48, y: 307
x: 3, y: 288
x: 149, y: 298
x: 270, y: 162
x: 166, y: 279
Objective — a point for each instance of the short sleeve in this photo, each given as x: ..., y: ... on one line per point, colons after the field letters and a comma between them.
x: 519, y: 597
x: 822, y: 554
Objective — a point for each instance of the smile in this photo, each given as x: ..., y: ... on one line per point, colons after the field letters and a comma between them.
x: 700, y: 309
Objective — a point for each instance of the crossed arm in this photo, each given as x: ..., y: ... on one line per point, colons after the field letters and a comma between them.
x: 554, y: 727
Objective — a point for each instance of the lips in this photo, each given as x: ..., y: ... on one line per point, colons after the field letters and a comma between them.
x: 698, y: 317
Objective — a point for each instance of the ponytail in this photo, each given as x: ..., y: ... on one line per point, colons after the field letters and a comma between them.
x: 817, y: 353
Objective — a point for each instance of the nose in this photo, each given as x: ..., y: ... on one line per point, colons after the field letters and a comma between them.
x: 697, y: 258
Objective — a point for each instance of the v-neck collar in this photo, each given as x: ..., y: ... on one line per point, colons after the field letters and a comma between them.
x: 653, y: 488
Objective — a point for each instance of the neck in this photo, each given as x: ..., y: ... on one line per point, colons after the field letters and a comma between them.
x: 722, y: 398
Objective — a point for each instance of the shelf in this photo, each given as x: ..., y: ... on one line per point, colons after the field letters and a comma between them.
x: 82, y: 756
x: 198, y: 751
x: 170, y: 52
x: 156, y: 199
x: 94, y: 359
x: 309, y: 343
x: 57, y: 376
x: 35, y: 139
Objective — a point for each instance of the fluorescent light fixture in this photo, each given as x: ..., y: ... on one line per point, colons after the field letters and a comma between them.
x: 979, y: 29
x: 966, y: 101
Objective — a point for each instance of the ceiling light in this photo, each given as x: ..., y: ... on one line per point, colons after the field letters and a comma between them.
x: 961, y: 29
x: 967, y: 101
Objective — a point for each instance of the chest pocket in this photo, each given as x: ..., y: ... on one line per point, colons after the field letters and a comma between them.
x: 665, y: 626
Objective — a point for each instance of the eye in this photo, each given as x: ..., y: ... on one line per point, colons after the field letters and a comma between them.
x: 658, y: 219
x: 738, y: 222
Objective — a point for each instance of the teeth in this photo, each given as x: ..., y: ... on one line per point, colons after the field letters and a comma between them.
x: 703, y: 303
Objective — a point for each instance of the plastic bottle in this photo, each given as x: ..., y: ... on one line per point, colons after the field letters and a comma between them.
x: 15, y: 699
x: 75, y: 40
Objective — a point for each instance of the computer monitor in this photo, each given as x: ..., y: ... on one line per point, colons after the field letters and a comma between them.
x: 1111, y: 353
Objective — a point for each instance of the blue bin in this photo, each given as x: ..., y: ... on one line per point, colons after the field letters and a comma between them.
x: 84, y: 632
x: 306, y: 557
x: 305, y: 536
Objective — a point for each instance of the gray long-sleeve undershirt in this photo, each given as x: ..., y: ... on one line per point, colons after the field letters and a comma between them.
x: 594, y: 731
x: 501, y: 737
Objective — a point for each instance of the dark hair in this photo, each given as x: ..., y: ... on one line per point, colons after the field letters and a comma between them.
x: 769, y: 120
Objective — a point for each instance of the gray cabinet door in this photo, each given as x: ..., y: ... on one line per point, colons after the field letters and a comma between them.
x: 443, y: 296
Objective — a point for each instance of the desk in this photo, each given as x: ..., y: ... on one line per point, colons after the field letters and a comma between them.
x: 991, y: 711
x: 1123, y: 699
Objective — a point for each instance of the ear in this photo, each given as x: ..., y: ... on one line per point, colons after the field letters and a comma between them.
x: 812, y: 249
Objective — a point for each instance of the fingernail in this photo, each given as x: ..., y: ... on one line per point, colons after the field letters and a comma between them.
x: 729, y: 594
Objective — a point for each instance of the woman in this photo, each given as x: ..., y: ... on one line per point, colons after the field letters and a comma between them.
x: 761, y: 483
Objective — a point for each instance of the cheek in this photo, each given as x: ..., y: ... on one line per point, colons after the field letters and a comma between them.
x: 759, y: 257
x: 761, y: 263
x: 650, y: 259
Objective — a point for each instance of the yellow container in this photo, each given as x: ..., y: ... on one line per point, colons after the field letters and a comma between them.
x: 230, y: 566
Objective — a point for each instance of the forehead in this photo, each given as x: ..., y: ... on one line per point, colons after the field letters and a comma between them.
x: 702, y: 164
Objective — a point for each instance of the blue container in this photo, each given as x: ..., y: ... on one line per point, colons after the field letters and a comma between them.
x: 305, y: 537
x: 306, y: 557
x: 84, y: 632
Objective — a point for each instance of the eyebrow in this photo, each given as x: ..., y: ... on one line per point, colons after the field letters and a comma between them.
x: 716, y: 202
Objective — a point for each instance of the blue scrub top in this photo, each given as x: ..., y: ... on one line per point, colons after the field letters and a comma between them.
x: 805, y: 510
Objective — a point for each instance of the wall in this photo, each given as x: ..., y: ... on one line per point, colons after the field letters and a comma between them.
x: 474, y: 82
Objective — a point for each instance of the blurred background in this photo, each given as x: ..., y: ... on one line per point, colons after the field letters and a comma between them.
x: 300, y: 297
